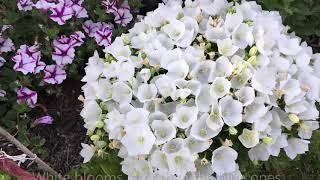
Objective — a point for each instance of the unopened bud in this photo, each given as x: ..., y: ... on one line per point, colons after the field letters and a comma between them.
x: 100, y: 124
x: 294, y: 118
x: 95, y: 137
x: 253, y: 51
x: 267, y: 140
x: 233, y: 131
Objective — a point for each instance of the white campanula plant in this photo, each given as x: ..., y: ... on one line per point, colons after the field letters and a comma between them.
x: 192, y: 83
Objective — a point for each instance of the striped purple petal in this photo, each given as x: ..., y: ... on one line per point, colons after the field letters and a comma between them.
x: 25, y: 5
x: 123, y: 16
x: 2, y: 61
x: 2, y: 93
x: 54, y: 74
x: 25, y: 94
x: 6, y: 45
x: 43, y: 120
x: 61, y: 13
x: 110, y: 6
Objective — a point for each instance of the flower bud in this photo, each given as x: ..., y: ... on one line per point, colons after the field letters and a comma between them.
x: 255, y: 162
x: 125, y: 39
x: 100, y: 124
x: 267, y: 140
x: 253, y: 51
x: 233, y: 131
x: 252, y: 60
x: 232, y: 10
x: 294, y: 118
x: 95, y: 137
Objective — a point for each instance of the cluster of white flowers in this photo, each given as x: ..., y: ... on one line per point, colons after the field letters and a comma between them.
x: 192, y: 79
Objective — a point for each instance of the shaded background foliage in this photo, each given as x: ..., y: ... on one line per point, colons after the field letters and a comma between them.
x: 303, y: 16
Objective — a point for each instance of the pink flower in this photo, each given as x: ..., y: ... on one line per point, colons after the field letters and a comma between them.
x: 77, y: 39
x: 54, y: 74
x: 28, y: 59
x: 6, y: 45
x: 24, y: 63
x: 78, y: 10
x: 110, y: 6
x: 2, y: 61
x: 90, y: 28
x: 101, y: 31
x: 2, y: 93
x: 123, y: 16
x: 45, y: 4
x: 43, y: 120
x: 103, y: 37
x: 25, y: 94
x: 61, y: 13
x: 25, y: 5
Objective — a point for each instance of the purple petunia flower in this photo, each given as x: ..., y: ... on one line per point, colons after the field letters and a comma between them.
x: 25, y: 94
x: 43, y: 120
x: 103, y: 36
x: 2, y: 93
x: 5, y: 27
x: 60, y: 13
x: 110, y: 6
x: 28, y: 60
x: 6, y: 45
x: 54, y: 74
x: 77, y: 38
x: 123, y: 16
x: 24, y: 63
x: 45, y: 4
x: 101, y: 31
x: 2, y: 61
x: 25, y: 5
x: 78, y: 10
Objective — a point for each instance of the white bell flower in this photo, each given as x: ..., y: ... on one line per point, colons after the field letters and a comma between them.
x: 180, y: 93
x: 165, y: 86
x: 204, y: 99
x: 138, y: 140
x: 196, y: 146
x: 296, y: 146
x: 242, y: 37
x: 175, y: 29
x: 311, y: 85
x: 126, y: 71
x: 102, y: 89
x: 249, y: 10
x: 87, y: 152
x: 137, y: 116
x: 306, y: 128
x: 177, y: 70
x: 170, y: 56
x: 223, y: 67
x: 193, y: 85
x: 245, y: 95
x: 226, y: 47
x: 91, y: 113
x: 214, y: 7
x: 224, y: 160
x: 264, y: 80
x: 118, y: 50
x: 280, y: 142
x: 163, y: 130
x: 215, y: 121
x: 249, y: 138
x: 311, y: 112
x: 94, y: 68
x: 201, y: 131
x: 146, y: 92
x: 231, y: 111
x: 220, y: 87
x: 235, y: 175
x: 173, y: 146
x: 185, y: 116
x: 260, y: 152
x: 289, y: 46
x: 144, y: 74
x: 136, y: 168
x: 114, y: 120
x: 262, y: 123
x: 159, y: 160
x: 181, y: 162
x: 232, y: 22
x: 121, y: 93
x: 203, y: 71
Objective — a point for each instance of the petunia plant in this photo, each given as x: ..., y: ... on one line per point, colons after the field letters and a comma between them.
x: 44, y: 42
x: 195, y: 84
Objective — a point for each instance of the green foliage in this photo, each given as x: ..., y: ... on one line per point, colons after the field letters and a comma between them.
x: 5, y: 176
x: 107, y: 165
x: 301, y: 15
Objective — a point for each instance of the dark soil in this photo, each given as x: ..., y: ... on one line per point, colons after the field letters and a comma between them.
x: 65, y: 135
